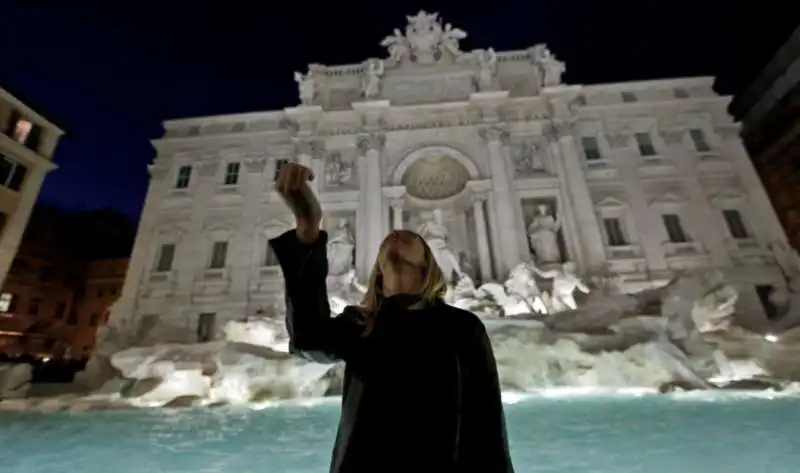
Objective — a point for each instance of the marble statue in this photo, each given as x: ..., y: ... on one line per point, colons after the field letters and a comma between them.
x: 565, y: 282
x: 551, y: 69
x: 522, y: 283
x: 372, y: 79
x: 487, y: 70
x: 424, y: 41
x: 340, y: 250
x: 543, y: 236
x: 434, y: 231
x: 337, y: 172
x: 306, y: 87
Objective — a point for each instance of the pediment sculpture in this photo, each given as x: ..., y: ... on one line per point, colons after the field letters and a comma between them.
x: 425, y: 40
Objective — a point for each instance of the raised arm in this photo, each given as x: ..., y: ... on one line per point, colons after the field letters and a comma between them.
x: 483, y: 441
x: 303, y: 258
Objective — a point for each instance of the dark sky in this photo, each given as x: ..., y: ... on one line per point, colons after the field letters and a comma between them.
x: 109, y: 73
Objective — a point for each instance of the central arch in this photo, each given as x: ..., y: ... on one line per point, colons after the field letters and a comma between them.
x: 430, y: 153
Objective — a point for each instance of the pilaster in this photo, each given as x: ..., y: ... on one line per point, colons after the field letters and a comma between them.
x: 370, y: 213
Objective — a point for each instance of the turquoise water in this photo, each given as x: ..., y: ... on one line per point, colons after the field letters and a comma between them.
x: 650, y: 434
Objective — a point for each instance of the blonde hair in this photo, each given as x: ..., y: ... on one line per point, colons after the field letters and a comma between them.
x: 434, y: 284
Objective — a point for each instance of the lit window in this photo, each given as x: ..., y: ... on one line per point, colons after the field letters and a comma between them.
x: 5, y: 301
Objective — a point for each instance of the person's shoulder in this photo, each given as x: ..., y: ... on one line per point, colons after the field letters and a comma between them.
x: 354, y: 313
x: 465, y: 322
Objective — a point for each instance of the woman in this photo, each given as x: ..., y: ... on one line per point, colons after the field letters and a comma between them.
x: 421, y: 392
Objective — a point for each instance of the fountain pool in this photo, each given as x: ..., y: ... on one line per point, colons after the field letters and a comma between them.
x: 699, y: 432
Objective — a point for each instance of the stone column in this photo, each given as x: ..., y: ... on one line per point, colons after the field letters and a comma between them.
x: 504, y: 199
x: 481, y: 235
x: 577, y: 201
x: 307, y: 151
x: 397, y: 204
x: 370, y: 213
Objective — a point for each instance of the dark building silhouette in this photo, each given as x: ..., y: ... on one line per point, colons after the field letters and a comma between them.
x: 762, y: 71
x: 69, y: 267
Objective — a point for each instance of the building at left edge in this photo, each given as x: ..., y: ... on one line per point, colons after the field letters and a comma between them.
x: 27, y: 143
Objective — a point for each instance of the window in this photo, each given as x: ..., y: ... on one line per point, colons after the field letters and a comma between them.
x: 205, y: 327
x: 166, y: 254
x: 232, y: 174
x: 628, y: 97
x: 278, y: 164
x: 736, y: 227
x: 95, y: 319
x: 219, y: 253
x: 184, y: 177
x: 12, y: 173
x: 674, y: 228
x: 680, y: 93
x: 590, y: 148
x: 61, y: 309
x: 269, y: 257
x: 699, y: 140
x: 614, y: 232
x: 645, y: 144
x: 6, y: 301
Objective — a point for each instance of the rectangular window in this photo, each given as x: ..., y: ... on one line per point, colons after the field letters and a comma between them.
x: 736, y: 227
x: 12, y: 173
x: 645, y: 144
x: 206, y: 327
x: 184, y: 177
x: 591, y: 148
x: 278, y: 164
x: 680, y: 93
x: 232, y: 174
x: 166, y: 255
x: 219, y: 253
x: 614, y: 233
x: 628, y: 97
x: 699, y: 140
x: 674, y: 228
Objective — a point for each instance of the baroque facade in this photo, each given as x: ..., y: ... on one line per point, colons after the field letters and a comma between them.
x: 490, y: 150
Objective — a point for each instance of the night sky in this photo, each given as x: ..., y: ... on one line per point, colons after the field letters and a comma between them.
x: 108, y: 74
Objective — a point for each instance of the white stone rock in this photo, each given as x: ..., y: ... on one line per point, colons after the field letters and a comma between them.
x: 14, y: 380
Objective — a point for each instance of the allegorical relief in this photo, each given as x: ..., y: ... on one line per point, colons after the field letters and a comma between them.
x: 340, y: 171
x: 529, y: 158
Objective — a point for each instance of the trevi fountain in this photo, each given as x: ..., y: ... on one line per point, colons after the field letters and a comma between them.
x: 606, y: 256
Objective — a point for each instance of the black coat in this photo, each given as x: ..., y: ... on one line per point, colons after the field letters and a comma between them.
x: 421, y: 391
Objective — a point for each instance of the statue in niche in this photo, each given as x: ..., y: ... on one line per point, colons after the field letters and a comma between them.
x: 306, y: 87
x: 372, y: 79
x: 337, y: 173
x: 550, y: 68
x: 528, y: 159
x: 487, y: 69
x: 340, y: 250
x: 543, y: 235
x: 565, y: 281
x: 434, y: 232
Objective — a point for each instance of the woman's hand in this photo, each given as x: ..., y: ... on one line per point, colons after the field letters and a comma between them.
x: 292, y: 185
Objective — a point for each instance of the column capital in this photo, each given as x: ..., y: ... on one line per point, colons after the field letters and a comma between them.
x: 307, y: 146
x: 371, y: 142
x: 478, y: 197
x: 559, y: 128
x: 490, y: 133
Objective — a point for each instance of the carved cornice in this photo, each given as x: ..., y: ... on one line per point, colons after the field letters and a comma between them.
x: 493, y: 133
x: 557, y: 129
x: 672, y: 137
x: 617, y: 139
x: 371, y: 141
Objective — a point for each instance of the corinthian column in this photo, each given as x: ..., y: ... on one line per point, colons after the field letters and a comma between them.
x: 307, y: 151
x: 370, y: 215
x: 502, y: 185
x: 481, y: 236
